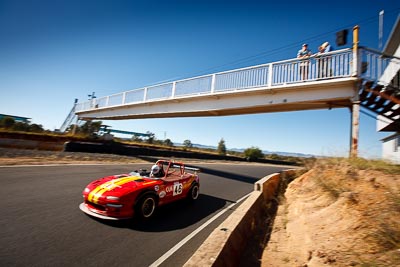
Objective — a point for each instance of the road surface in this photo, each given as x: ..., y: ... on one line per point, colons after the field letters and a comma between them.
x: 41, y: 224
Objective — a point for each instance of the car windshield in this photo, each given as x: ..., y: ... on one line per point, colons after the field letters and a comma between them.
x: 173, y: 169
x: 141, y: 172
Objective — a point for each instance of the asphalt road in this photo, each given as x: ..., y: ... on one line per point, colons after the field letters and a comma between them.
x: 41, y: 224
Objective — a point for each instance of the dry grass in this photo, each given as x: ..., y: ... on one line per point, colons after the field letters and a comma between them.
x: 10, y: 156
x: 349, y: 166
x: 342, y: 212
x: 372, y: 188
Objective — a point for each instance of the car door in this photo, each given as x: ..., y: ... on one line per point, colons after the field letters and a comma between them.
x: 175, y: 183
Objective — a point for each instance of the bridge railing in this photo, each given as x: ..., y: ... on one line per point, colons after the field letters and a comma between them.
x: 336, y: 64
x: 374, y: 63
x: 329, y: 65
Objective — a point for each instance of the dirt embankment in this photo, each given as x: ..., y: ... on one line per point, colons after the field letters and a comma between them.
x: 12, y: 156
x: 337, y: 215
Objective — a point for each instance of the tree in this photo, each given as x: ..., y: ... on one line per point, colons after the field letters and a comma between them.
x: 151, y: 138
x: 168, y: 142
x: 253, y: 153
x: 136, y: 138
x: 36, y: 128
x: 187, y: 144
x: 221, y: 147
x: 89, y: 128
x: 7, y: 122
x: 20, y: 126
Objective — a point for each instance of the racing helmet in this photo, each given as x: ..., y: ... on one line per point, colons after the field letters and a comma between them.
x: 155, y: 170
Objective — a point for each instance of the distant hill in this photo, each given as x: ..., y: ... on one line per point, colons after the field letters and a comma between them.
x: 287, y: 154
x: 266, y: 152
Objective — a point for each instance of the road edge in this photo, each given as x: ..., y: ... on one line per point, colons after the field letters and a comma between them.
x: 224, y: 245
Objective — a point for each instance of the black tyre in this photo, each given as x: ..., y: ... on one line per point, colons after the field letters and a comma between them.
x: 146, y: 206
x: 193, y: 192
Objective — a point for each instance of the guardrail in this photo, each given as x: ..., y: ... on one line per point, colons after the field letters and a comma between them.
x: 336, y: 64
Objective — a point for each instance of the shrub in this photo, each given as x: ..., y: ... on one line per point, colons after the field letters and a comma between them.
x: 253, y: 153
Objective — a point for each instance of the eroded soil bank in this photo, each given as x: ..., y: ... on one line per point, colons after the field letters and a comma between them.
x: 337, y: 214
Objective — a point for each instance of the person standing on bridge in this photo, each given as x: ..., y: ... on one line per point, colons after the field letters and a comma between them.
x: 324, y: 62
x: 304, y: 53
x: 325, y: 48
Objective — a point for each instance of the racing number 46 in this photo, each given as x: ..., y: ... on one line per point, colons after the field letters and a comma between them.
x: 177, y: 189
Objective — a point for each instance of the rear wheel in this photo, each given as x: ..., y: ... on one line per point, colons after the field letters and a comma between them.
x: 146, y: 206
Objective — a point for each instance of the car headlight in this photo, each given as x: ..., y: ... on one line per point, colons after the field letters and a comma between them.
x: 87, y: 190
x: 112, y: 198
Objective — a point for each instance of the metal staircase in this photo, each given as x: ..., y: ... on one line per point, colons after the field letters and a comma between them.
x: 380, y: 91
x: 382, y: 100
x: 70, y: 118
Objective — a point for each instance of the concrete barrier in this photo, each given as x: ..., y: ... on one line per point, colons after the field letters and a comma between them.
x: 225, y: 244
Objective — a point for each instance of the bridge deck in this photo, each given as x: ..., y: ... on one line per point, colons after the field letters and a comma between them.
x: 331, y: 80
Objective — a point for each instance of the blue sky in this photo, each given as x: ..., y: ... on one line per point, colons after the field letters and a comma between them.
x: 53, y: 51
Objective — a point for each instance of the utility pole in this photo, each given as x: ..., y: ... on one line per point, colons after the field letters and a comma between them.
x: 380, y: 34
x: 355, y: 126
x: 355, y: 106
x: 91, y: 97
x: 77, y: 118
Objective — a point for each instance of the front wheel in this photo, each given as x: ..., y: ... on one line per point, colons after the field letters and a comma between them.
x: 194, y: 192
x: 146, y: 206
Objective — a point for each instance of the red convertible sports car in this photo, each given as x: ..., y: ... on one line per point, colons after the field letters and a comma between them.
x: 139, y: 193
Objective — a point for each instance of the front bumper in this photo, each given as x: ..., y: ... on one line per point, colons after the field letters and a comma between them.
x: 88, y: 211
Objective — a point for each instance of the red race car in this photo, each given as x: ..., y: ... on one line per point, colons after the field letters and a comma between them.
x: 140, y: 192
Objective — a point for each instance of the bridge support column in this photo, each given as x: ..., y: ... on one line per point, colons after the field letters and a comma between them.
x: 355, y: 124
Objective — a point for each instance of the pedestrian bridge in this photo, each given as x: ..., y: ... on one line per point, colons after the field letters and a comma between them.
x: 331, y: 80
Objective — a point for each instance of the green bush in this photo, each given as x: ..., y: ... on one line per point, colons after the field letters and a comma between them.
x: 253, y: 153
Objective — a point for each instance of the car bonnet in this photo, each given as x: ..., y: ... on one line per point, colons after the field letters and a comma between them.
x: 116, y: 187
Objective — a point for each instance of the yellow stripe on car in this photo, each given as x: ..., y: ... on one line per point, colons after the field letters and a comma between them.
x: 108, y: 186
x: 153, y: 182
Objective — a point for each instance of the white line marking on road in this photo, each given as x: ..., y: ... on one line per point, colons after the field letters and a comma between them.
x: 195, y: 232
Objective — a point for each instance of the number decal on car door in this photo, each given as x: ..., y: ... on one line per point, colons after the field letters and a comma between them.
x: 177, y: 189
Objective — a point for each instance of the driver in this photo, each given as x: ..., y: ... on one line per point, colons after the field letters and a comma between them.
x: 157, y: 171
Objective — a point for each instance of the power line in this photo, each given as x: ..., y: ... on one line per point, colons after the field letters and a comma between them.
x: 276, y: 50
x: 295, y: 44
